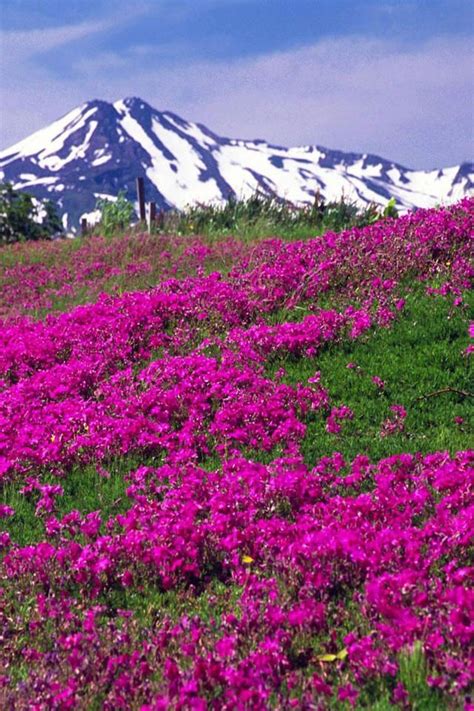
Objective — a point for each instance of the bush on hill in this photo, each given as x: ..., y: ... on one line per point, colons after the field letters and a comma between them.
x: 24, y: 218
x: 116, y: 215
x: 262, y: 214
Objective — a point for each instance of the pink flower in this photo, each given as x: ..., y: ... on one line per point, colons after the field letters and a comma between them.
x: 225, y: 647
x: 5, y: 466
x: 336, y: 416
x: 396, y: 423
x: 399, y: 411
x: 321, y: 686
x: 348, y: 693
x: 6, y: 511
x: 378, y: 382
x: 400, y: 694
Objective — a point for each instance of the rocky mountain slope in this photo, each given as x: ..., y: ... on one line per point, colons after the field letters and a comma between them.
x: 99, y: 148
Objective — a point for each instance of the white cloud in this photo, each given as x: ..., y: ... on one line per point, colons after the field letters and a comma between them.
x: 409, y: 104
x: 352, y: 94
x: 18, y: 45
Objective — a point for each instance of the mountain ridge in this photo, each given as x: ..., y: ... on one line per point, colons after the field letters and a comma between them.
x: 99, y: 148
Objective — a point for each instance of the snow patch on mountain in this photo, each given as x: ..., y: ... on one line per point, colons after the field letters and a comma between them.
x: 99, y: 149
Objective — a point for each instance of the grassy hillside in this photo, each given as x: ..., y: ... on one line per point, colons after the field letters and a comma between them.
x: 243, y: 477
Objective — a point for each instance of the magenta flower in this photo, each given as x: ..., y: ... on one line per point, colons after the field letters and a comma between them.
x: 221, y: 557
x: 378, y: 382
x: 348, y: 693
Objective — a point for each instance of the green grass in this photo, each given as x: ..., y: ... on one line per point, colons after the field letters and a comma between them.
x: 419, y: 355
x: 263, y: 215
x: 149, y: 603
x: 85, y: 490
x: 413, y: 671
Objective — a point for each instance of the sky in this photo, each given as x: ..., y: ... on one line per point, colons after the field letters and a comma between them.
x: 394, y: 78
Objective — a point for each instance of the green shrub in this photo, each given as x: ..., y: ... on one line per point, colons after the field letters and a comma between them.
x: 391, y: 210
x: 115, y: 215
x: 263, y: 214
x: 23, y: 219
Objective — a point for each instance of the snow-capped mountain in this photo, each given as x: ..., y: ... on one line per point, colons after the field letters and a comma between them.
x: 99, y: 148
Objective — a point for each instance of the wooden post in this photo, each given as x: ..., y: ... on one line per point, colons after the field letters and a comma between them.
x: 319, y: 203
x: 141, y: 199
x: 151, y: 215
x: 83, y: 227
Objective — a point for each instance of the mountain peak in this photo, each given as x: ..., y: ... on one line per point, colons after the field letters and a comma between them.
x: 100, y: 148
x: 134, y: 102
x: 96, y: 103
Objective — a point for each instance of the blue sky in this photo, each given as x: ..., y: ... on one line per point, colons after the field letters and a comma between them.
x: 386, y: 77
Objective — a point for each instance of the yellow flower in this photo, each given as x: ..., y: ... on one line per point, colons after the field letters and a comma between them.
x: 333, y: 657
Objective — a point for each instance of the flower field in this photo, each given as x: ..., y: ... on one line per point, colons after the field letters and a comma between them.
x: 239, y: 476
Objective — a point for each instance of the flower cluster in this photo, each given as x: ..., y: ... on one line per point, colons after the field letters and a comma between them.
x: 234, y: 575
x: 394, y: 423
x: 297, y: 549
